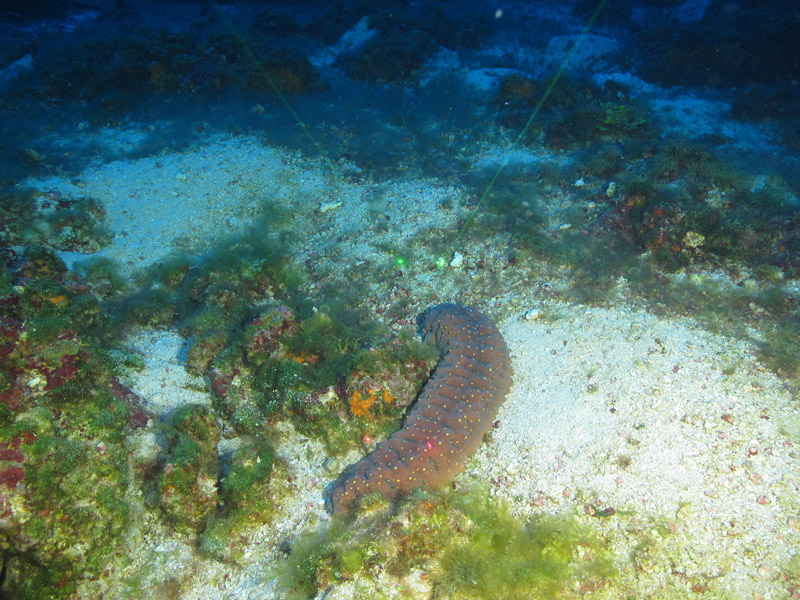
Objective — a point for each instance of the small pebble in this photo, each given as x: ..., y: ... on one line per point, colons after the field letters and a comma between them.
x: 331, y: 466
x: 533, y: 314
x: 766, y: 572
x: 328, y: 206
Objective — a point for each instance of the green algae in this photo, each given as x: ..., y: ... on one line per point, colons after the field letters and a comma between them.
x: 380, y: 383
x: 780, y: 350
x: 168, y: 273
x: 153, y: 307
x: 203, y: 351
x: 53, y: 302
x: 313, y: 372
x: 104, y: 277
x: 249, y: 497
x: 250, y: 467
x: 470, y: 545
x: 187, y: 484
x: 210, y: 297
x: 618, y: 119
x: 332, y: 339
x: 75, y: 510
x: 63, y: 422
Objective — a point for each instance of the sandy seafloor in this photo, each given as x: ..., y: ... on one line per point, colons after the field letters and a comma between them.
x: 680, y: 431
x: 675, y: 428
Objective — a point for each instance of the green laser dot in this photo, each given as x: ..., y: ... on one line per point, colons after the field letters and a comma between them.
x: 441, y: 262
x: 400, y: 262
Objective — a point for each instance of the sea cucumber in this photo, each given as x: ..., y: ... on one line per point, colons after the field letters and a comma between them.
x: 455, y: 409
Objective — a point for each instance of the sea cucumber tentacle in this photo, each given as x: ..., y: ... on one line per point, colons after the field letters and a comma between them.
x: 455, y: 409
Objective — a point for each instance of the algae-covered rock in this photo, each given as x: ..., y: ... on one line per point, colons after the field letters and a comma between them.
x: 48, y: 218
x: 188, y: 482
x: 247, y: 499
x: 248, y: 474
x: 64, y: 416
x: 250, y: 377
x: 203, y: 350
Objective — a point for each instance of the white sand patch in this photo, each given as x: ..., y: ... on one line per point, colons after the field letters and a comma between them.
x: 488, y: 80
x: 184, y: 202
x: 690, y: 117
x: 156, y: 205
x: 351, y: 40
x: 612, y: 408
x: 164, y: 384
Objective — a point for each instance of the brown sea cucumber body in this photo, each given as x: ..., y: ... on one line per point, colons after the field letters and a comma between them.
x: 455, y: 409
